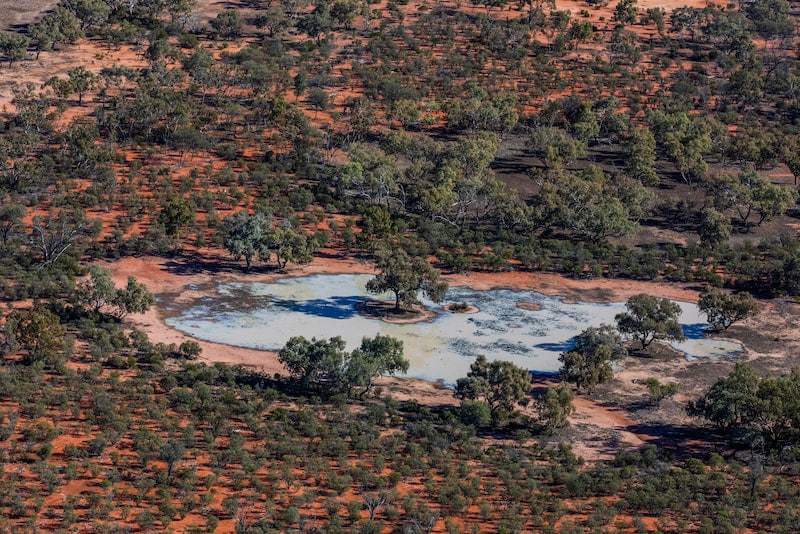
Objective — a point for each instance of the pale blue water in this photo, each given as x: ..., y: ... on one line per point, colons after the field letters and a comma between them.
x: 265, y: 316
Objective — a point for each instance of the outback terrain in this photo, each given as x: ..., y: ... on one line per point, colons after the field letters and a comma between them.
x: 597, y: 151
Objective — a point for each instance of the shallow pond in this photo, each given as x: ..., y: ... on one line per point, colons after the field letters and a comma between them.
x: 525, y: 327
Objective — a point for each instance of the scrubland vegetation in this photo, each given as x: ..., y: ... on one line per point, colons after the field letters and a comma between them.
x: 605, y: 141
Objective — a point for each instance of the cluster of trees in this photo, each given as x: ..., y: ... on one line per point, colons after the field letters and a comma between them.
x: 257, y: 236
x: 493, y: 392
x: 760, y: 411
x: 325, y: 366
x: 98, y: 294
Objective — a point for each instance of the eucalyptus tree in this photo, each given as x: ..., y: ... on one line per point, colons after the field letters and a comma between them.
x: 406, y: 277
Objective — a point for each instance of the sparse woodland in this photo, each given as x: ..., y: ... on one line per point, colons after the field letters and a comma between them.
x: 594, y: 140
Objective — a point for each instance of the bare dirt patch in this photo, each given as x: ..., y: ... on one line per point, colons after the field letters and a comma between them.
x: 15, y: 14
x: 617, y: 413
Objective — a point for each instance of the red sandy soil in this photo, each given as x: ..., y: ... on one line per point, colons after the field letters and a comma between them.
x: 170, y: 277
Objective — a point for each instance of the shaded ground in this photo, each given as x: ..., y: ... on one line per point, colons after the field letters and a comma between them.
x: 617, y: 413
x: 13, y: 15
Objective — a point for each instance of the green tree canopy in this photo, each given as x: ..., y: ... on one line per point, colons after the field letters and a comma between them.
x: 750, y: 407
x: 714, y: 228
x: 555, y: 407
x: 406, y: 277
x: 377, y: 356
x: 133, y: 298
x: 327, y: 366
x: 38, y: 331
x: 650, y: 318
x: 723, y: 308
x: 500, y: 384
x: 247, y: 236
x: 589, y: 362
x: 13, y: 46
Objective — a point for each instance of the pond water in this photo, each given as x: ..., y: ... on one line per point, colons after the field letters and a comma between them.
x: 525, y: 327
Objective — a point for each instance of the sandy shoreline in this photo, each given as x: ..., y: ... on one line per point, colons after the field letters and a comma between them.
x: 171, y: 277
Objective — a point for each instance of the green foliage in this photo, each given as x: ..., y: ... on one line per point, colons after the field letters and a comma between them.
x: 747, y: 192
x: 500, y: 384
x: 555, y: 147
x: 39, y: 332
x: 589, y: 362
x: 658, y: 391
x: 247, y: 236
x: 176, y: 214
x: 723, y: 308
x: 555, y: 406
x: 753, y: 408
x: 641, y: 154
x: 650, y: 318
x: 13, y: 46
x: 475, y: 413
x: 375, y: 357
x: 98, y: 293
x: 59, y: 26
x: 133, y: 298
x: 406, y: 277
x: 686, y: 141
x: 714, y: 228
x: 326, y: 365
x: 625, y: 12
x: 228, y: 23
x: 590, y: 204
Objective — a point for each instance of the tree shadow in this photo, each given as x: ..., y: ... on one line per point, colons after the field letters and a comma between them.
x: 331, y: 308
x: 196, y: 264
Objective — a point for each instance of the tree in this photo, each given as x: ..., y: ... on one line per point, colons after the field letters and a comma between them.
x: 589, y: 203
x: 314, y: 362
x: 56, y: 233
x: 555, y: 407
x: 90, y: 12
x: 56, y: 27
x: 771, y: 18
x: 500, y: 384
x: 650, y: 318
x: 290, y: 244
x: 685, y: 140
x: 715, y: 227
x: 405, y: 277
x: 625, y: 12
x: 326, y: 365
x: 38, y: 331
x: 247, y: 236
x: 377, y: 356
x: 98, y: 291
x: 555, y: 147
x: 81, y: 81
x: 13, y: 45
x: 747, y: 406
x: 723, y: 308
x: 589, y: 362
x: 170, y: 453
x: 133, y: 298
x: 317, y: 22
x: 228, y: 23
x: 176, y: 214
x: 641, y: 152
x: 658, y: 391
x: 11, y: 218
x: 748, y: 191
